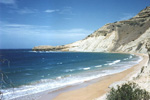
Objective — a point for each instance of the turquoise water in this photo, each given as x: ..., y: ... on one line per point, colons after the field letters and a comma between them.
x: 33, y: 72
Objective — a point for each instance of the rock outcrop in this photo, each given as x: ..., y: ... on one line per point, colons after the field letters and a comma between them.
x: 148, y: 50
x: 123, y: 36
x: 51, y: 48
x: 131, y: 35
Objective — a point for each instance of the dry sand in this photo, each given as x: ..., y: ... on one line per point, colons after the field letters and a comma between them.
x: 101, y: 87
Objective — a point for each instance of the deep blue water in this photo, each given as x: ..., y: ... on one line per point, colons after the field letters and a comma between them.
x: 32, y: 72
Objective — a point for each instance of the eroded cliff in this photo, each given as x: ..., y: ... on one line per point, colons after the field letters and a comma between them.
x: 122, y: 36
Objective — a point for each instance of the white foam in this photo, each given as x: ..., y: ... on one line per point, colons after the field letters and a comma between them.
x: 45, y: 85
x: 130, y: 56
x: 86, y: 68
x: 98, y: 66
x: 125, y: 58
x: 114, y: 62
x: 59, y: 63
x: 59, y: 82
x: 69, y: 70
x: 62, y: 81
x: 59, y: 77
x: 32, y: 51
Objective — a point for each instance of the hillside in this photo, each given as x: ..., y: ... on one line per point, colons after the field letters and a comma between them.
x: 129, y: 36
x: 122, y: 36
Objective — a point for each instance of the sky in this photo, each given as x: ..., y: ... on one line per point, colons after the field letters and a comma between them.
x: 29, y: 23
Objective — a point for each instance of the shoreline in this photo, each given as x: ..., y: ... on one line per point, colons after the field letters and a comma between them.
x: 94, y: 88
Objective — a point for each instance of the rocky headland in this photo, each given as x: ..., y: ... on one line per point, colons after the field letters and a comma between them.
x: 127, y: 36
x: 122, y: 36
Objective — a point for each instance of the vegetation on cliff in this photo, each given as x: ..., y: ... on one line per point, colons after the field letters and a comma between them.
x: 128, y: 91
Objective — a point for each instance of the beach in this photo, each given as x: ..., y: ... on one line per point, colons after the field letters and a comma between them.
x: 97, y: 88
x: 36, y: 74
x: 71, y: 50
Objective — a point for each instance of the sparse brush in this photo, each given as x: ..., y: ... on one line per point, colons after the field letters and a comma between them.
x: 128, y: 91
x: 142, y: 69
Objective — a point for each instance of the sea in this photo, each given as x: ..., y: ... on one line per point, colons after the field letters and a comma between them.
x: 27, y: 72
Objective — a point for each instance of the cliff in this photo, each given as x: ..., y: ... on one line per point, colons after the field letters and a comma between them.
x: 123, y: 36
x: 131, y: 35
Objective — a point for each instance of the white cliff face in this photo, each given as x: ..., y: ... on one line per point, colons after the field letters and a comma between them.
x: 139, y: 45
x: 124, y: 36
x: 112, y: 42
x: 94, y: 44
x: 131, y: 35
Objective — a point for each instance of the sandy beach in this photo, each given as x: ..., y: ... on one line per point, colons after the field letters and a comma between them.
x: 98, y: 88
x: 74, y: 50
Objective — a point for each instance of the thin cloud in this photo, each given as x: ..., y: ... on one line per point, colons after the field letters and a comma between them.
x: 51, y: 10
x: 45, y: 34
x: 27, y: 36
x: 7, y: 1
x: 32, y: 11
x: 66, y: 10
x: 8, y: 28
x: 26, y: 11
x: 16, y: 25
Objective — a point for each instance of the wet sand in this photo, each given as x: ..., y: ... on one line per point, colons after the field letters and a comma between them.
x: 94, y: 88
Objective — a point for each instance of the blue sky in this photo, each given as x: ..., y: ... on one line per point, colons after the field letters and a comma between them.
x: 29, y: 23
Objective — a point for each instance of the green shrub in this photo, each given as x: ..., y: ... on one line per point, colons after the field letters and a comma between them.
x: 142, y: 69
x: 128, y: 91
